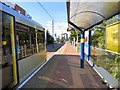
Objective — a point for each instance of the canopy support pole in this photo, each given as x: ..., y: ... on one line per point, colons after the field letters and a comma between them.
x: 82, y: 49
x: 89, y: 48
x: 81, y: 44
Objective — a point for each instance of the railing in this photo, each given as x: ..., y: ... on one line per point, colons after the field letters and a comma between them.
x: 108, y: 60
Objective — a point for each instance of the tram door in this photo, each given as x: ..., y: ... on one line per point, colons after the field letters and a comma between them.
x: 9, y: 68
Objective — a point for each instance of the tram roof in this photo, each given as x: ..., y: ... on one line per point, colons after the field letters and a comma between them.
x: 85, y: 14
x: 21, y: 18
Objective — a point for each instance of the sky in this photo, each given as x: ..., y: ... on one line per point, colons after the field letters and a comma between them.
x: 57, y: 10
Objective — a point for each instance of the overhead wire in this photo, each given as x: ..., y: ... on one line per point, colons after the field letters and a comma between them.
x: 45, y: 10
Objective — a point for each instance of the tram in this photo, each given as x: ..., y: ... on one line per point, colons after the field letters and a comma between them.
x: 23, y: 46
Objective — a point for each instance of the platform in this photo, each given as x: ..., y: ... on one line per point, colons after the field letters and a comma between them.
x: 63, y: 71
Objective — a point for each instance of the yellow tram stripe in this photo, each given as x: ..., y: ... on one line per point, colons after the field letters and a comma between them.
x: 13, y: 53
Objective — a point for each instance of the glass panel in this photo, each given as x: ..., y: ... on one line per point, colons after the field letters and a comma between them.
x: 8, y: 54
x: 23, y: 39
x: 26, y: 41
x: 33, y: 41
x: 40, y: 40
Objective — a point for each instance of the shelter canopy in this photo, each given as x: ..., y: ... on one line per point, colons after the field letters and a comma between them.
x: 86, y: 14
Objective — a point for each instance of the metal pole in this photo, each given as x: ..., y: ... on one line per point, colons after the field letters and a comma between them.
x: 89, y: 48
x: 77, y: 43
x: 53, y: 31
x: 36, y: 40
x: 82, y: 49
x: 45, y: 39
x: 74, y: 41
x: 77, y: 38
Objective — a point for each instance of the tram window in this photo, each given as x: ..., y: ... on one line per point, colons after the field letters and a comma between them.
x: 40, y: 40
x: 6, y: 38
x: 23, y: 39
x: 26, y: 41
x: 33, y: 41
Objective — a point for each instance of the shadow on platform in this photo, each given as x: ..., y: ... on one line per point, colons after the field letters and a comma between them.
x: 57, y: 46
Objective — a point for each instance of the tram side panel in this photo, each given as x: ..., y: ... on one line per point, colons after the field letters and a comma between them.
x: 28, y: 65
x: 22, y: 44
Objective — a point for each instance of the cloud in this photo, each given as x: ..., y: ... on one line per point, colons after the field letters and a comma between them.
x: 59, y: 28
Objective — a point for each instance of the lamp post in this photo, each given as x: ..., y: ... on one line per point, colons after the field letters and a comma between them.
x: 53, y: 31
x: 46, y: 39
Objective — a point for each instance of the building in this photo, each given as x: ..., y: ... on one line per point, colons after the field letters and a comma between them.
x: 17, y: 8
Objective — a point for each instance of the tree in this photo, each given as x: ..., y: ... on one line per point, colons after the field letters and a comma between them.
x: 98, y: 37
x: 50, y: 39
x: 74, y: 35
x: 113, y: 20
x: 62, y: 39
